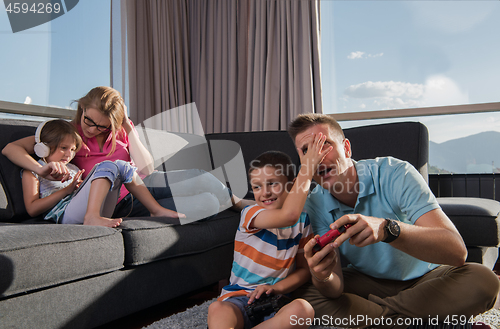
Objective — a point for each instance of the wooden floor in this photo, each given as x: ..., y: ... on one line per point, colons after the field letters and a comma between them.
x: 148, y: 316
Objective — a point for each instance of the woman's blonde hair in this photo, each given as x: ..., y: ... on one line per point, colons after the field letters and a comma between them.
x: 54, y: 132
x: 110, y: 103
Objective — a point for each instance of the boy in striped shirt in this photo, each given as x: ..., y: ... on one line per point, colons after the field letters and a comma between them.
x: 268, y: 251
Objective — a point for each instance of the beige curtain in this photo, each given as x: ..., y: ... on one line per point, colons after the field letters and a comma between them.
x: 283, y: 65
x: 159, y: 70
x: 218, y: 62
x: 247, y: 65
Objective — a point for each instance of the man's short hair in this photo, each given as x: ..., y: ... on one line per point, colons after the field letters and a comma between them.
x: 305, y: 121
x: 277, y: 159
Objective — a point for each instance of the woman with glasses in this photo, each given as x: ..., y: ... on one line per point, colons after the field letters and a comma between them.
x: 108, y: 134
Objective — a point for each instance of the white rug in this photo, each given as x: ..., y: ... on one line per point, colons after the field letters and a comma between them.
x: 196, y: 318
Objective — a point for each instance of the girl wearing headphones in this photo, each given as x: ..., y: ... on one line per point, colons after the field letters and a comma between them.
x: 108, y: 134
x: 91, y: 202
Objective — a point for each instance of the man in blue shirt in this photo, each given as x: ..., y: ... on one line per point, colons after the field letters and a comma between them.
x: 406, y: 258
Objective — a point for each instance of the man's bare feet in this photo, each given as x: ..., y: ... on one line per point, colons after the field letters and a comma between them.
x: 164, y: 212
x: 101, y: 221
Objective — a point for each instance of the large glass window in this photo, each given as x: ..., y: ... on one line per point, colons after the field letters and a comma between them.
x: 59, y: 61
x: 381, y: 55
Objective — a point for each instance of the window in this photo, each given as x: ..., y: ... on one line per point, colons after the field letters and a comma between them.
x: 382, y: 55
x: 59, y: 61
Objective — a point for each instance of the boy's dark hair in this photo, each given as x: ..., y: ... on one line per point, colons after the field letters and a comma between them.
x: 305, y: 121
x: 54, y: 131
x: 276, y: 159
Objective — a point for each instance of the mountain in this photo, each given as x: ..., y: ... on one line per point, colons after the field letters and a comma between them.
x: 478, y: 153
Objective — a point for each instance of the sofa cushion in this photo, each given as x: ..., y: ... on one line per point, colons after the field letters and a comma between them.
x: 148, y: 239
x: 35, y: 256
x: 253, y: 144
x: 194, y: 152
x: 484, y: 213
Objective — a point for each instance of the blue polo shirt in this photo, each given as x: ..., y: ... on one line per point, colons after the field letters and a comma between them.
x: 388, y: 188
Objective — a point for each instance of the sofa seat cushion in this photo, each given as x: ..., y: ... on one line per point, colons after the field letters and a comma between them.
x: 148, y: 239
x: 484, y: 213
x: 38, y: 256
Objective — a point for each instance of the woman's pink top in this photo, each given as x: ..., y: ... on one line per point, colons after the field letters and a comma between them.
x: 90, y: 154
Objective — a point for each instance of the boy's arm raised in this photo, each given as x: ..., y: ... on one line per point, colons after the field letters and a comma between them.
x: 294, y: 203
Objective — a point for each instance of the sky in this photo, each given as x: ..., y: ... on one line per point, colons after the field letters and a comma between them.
x: 57, y: 62
x: 380, y: 55
x: 374, y: 55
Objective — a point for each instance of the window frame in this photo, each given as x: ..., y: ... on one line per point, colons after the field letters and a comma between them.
x: 36, y: 110
x: 417, y: 112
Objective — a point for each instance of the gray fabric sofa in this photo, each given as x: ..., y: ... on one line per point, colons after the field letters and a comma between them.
x: 75, y: 276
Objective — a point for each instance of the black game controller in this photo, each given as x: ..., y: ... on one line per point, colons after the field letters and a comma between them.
x: 265, y: 305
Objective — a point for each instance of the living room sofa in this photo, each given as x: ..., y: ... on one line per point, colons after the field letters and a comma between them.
x: 75, y: 276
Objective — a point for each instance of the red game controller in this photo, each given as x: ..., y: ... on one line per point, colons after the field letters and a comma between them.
x: 329, y: 237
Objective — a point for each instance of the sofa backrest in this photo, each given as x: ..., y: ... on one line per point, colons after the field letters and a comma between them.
x: 407, y: 141
x: 11, y: 201
x: 176, y: 151
x: 254, y: 143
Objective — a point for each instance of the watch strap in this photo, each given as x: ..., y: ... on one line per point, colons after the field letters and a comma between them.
x: 389, y: 235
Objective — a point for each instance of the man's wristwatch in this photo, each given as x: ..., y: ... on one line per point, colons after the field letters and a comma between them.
x: 392, y: 230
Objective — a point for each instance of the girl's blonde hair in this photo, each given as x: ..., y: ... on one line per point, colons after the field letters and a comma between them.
x: 54, y: 132
x: 110, y: 103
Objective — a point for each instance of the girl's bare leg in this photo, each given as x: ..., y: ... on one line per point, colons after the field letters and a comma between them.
x: 99, y: 190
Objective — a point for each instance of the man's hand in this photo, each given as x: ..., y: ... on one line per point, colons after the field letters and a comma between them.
x: 322, y: 263
x: 364, y: 230
x: 433, y: 238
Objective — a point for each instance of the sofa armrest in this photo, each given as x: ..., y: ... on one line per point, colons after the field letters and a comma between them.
x: 478, y: 221
x: 483, y: 212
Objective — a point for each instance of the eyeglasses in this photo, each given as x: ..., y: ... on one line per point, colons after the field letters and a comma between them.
x: 90, y: 123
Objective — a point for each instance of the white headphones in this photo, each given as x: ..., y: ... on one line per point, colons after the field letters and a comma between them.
x: 41, y: 149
